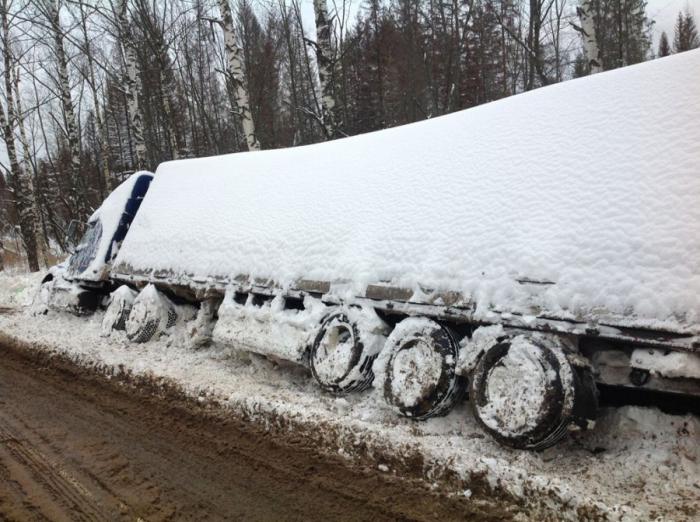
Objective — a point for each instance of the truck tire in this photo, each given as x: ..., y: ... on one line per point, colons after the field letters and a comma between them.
x: 151, y: 314
x: 421, y: 380
x: 339, y: 360
x: 120, y: 304
x: 526, y: 393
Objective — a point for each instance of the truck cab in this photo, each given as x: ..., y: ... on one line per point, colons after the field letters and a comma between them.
x: 81, y: 282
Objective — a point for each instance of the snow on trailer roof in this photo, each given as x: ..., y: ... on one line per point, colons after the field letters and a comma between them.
x: 592, y: 185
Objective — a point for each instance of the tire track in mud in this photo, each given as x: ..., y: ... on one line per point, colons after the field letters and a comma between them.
x: 78, y: 447
x: 60, y: 492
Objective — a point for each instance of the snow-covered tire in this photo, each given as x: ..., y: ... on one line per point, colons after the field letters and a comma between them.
x: 526, y: 393
x: 151, y: 314
x: 120, y: 304
x: 420, y: 378
x: 344, y: 349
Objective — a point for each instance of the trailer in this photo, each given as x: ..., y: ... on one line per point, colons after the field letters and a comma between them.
x: 521, y: 253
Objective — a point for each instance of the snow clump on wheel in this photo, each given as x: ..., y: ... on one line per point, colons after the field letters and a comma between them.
x: 419, y: 364
x: 120, y: 304
x: 152, y: 313
x: 344, y: 349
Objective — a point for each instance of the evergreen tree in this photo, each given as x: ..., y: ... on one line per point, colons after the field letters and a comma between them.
x: 623, y: 31
x: 664, y: 46
x: 686, y: 36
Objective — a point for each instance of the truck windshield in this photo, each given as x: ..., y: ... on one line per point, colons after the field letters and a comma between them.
x: 86, y: 251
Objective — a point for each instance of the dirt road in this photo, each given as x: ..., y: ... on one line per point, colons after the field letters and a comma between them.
x: 81, y: 448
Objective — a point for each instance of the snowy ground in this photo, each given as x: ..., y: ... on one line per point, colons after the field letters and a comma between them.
x: 639, y: 464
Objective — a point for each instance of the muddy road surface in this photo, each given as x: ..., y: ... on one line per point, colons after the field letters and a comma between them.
x: 74, y: 447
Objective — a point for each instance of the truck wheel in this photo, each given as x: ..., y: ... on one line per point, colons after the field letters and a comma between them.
x: 340, y: 359
x: 526, y: 393
x: 120, y: 305
x: 420, y: 380
x: 151, y: 314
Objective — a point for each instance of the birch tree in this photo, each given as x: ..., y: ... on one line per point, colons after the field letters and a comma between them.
x: 132, y: 82
x: 29, y: 170
x: 236, y: 77
x: 591, y: 50
x: 91, y: 79
x: 326, y: 71
x: 20, y: 180
x: 51, y: 9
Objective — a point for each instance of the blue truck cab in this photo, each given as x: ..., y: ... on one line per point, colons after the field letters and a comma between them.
x: 81, y: 282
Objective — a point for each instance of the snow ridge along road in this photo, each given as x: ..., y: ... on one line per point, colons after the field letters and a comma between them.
x: 639, y: 464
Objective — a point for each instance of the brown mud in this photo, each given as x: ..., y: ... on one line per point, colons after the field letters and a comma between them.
x: 75, y: 445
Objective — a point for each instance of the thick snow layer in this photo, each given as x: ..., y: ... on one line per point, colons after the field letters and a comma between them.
x: 638, y: 464
x: 590, y: 184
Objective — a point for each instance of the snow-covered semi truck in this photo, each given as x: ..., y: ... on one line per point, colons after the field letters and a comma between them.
x: 524, y: 251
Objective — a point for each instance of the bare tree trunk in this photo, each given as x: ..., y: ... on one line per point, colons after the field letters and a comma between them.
x: 170, y: 122
x: 590, y: 43
x: 132, y: 84
x: 326, y: 70
x: 236, y: 77
x: 103, y: 160
x: 3, y: 219
x: 21, y: 186
x: 20, y: 180
x: 30, y: 173
x: 78, y: 187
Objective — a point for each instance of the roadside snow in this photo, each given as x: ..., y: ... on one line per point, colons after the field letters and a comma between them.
x: 17, y: 289
x: 639, y: 464
x: 591, y: 185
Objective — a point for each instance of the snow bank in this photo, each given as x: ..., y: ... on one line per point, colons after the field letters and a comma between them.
x: 18, y: 289
x: 591, y: 184
x: 639, y: 464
